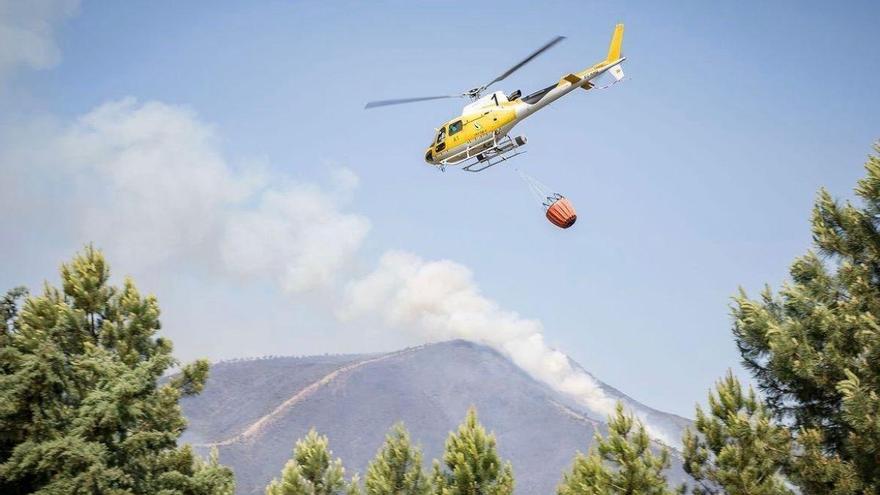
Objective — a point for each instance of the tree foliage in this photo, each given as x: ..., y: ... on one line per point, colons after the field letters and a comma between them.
x: 312, y: 471
x: 81, y: 407
x: 8, y: 311
x: 397, y: 467
x: 737, y: 449
x: 622, y: 463
x: 814, y: 348
x: 471, y: 465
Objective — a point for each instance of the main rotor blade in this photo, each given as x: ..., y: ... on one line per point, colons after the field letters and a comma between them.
x: 526, y: 60
x: 400, y: 101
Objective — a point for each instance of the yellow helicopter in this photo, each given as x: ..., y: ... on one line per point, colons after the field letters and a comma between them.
x: 479, y: 138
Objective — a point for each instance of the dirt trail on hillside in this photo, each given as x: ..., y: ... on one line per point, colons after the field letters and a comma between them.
x: 259, y: 425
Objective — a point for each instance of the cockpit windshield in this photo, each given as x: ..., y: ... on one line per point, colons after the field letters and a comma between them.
x: 441, y: 135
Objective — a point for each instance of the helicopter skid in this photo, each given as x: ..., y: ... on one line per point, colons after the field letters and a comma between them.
x: 485, y: 155
x: 480, y: 165
x: 470, y: 151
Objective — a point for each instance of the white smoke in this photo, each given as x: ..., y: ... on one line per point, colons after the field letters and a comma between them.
x: 296, y: 235
x: 441, y: 300
x: 26, y: 37
x: 148, y: 182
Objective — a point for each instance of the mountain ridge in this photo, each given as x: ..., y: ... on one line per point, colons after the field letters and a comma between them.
x: 254, y: 410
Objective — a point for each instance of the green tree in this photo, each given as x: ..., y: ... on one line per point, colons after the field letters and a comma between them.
x: 8, y: 311
x: 738, y: 448
x: 81, y: 407
x: 622, y: 463
x: 397, y: 467
x: 312, y: 471
x: 814, y: 348
x: 471, y: 465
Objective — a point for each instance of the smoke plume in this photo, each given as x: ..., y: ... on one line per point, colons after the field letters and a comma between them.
x: 26, y: 34
x: 441, y: 300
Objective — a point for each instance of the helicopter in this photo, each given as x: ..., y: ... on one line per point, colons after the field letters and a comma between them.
x: 480, y: 138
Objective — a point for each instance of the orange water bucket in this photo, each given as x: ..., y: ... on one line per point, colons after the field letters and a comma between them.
x: 561, y: 213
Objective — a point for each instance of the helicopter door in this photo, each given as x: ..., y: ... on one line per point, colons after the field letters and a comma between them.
x: 455, y: 135
x: 441, y: 140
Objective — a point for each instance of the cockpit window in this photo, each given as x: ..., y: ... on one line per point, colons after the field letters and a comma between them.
x: 441, y: 135
x: 454, y: 127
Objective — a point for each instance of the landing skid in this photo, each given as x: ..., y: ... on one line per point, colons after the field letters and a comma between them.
x: 498, y: 151
x: 481, y: 165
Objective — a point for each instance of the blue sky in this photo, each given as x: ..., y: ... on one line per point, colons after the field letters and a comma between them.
x: 692, y: 178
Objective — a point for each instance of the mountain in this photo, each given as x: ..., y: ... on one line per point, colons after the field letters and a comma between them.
x: 254, y: 410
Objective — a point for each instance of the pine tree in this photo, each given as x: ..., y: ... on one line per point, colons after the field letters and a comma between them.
x: 738, y: 449
x: 814, y: 348
x: 81, y: 407
x: 471, y: 465
x: 312, y: 471
x: 8, y: 311
x: 622, y: 463
x: 397, y: 467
